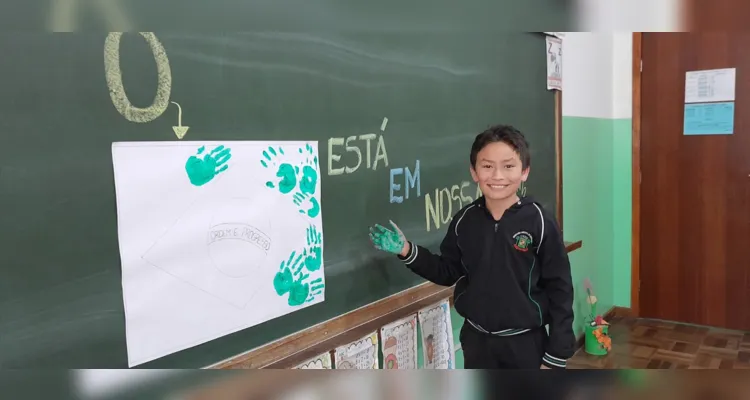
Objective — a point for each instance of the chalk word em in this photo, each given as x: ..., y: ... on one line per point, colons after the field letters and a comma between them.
x: 410, y: 180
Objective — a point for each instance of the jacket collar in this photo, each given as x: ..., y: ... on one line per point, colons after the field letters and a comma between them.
x: 517, y: 206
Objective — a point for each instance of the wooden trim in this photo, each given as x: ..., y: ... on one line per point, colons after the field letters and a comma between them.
x: 558, y: 161
x: 431, y: 295
x: 297, y: 348
x: 635, y: 266
x: 572, y: 246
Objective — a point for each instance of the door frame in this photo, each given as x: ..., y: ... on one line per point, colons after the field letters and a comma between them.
x: 635, y: 256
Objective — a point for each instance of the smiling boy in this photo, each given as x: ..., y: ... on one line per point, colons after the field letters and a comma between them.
x: 506, y: 256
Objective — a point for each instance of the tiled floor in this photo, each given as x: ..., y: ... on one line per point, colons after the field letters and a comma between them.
x: 653, y: 344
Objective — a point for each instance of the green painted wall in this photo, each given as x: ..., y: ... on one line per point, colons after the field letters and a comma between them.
x: 457, y: 322
x: 622, y: 162
x: 597, y: 208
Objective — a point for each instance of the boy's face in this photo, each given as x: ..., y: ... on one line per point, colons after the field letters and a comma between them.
x: 498, y: 171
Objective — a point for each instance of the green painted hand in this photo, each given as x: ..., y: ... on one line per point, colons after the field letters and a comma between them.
x: 291, y: 178
x: 388, y: 240
x: 291, y: 280
x: 313, y: 256
x: 202, y: 170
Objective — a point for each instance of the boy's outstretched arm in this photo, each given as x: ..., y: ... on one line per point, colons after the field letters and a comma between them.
x: 558, y: 284
x: 444, y: 269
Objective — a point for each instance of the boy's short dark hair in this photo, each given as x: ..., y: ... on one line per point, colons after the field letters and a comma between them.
x: 506, y: 134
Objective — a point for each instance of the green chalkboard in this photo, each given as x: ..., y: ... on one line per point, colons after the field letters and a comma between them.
x: 437, y: 77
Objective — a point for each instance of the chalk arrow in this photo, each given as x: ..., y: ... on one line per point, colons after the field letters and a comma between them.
x: 179, y: 130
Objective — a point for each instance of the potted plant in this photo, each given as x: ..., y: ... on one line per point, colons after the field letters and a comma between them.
x: 596, y: 334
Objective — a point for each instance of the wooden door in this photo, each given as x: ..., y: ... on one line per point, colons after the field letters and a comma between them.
x: 695, y: 190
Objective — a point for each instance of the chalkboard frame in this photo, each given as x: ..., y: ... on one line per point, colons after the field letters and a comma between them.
x: 66, y: 352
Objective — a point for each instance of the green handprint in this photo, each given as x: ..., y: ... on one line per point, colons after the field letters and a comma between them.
x: 314, y: 209
x: 284, y: 279
x: 304, y: 293
x: 290, y: 279
x: 313, y: 257
x: 286, y: 172
x: 309, y: 174
x: 290, y: 176
x: 521, y: 192
x: 202, y: 170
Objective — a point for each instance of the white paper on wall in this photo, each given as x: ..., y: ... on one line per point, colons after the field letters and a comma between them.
x: 554, y: 63
x: 437, y: 336
x: 360, y: 354
x: 215, y: 237
x: 322, y: 361
x: 399, y: 344
x: 712, y: 85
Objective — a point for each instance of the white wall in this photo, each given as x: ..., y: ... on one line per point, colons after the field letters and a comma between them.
x: 622, y: 75
x: 629, y: 15
x: 597, y: 68
x: 597, y: 75
x: 587, y: 75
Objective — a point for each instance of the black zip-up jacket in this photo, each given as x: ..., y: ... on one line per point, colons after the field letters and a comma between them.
x: 511, y: 275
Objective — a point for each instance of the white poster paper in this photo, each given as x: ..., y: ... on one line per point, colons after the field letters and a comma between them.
x: 322, y: 361
x: 556, y: 34
x: 215, y: 237
x: 361, y: 354
x: 437, y: 336
x: 399, y: 344
x: 554, y: 63
x: 710, y: 85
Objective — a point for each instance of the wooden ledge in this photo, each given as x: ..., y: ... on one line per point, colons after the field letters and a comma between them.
x: 572, y: 246
x: 299, y: 347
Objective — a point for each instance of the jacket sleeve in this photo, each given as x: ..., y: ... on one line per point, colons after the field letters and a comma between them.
x: 443, y: 269
x: 558, y: 284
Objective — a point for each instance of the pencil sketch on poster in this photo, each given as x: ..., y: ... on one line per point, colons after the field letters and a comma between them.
x: 360, y: 354
x: 399, y: 344
x: 437, y: 336
x: 554, y: 63
x: 322, y: 361
x: 226, y: 232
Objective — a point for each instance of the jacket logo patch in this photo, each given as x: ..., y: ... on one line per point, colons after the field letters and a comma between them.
x: 523, y: 241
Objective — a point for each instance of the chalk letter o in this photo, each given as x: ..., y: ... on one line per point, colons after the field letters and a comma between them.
x: 113, y: 74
